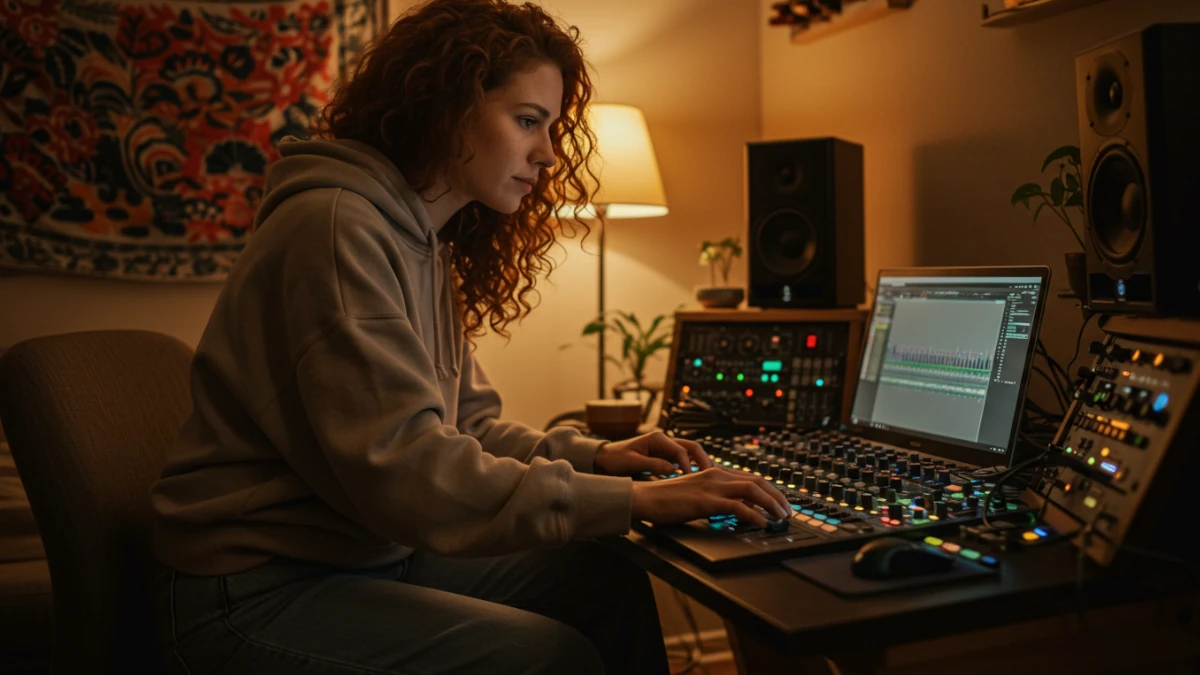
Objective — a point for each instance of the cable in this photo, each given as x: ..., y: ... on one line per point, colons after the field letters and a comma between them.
x: 1059, y: 397
x: 987, y: 502
x: 694, y: 654
x: 1078, y: 343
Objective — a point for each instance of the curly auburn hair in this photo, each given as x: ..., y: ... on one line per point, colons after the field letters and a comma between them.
x: 414, y: 93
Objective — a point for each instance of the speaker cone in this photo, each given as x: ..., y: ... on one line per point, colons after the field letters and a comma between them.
x: 1109, y: 93
x: 787, y: 242
x: 1116, y: 204
x: 785, y: 176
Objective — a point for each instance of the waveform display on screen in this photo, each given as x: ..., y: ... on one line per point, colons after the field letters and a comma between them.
x: 968, y: 360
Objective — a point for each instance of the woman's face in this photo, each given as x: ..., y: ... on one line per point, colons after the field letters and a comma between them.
x: 510, y: 139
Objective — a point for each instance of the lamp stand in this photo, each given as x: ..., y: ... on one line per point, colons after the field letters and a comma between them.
x: 601, y: 211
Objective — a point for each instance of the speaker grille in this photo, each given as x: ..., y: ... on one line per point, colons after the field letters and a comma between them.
x: 787, y: 242
x: 1116, y: 204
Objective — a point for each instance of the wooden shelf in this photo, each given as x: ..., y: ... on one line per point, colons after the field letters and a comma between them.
x: 1033, y: 11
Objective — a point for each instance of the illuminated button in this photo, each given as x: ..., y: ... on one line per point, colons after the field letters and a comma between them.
x: 820, y: 516
x: 954, y: 488
x: 774, y: 378
x: 766, y: 378
x: 989, y: 561
x: 1090, y: 502
x: 829, y: 528
x: 1159, y: 358
x: 1091, y: 461
x: 741, y: 377
x: 970, y: 554
x: 697, y: 363
x: 933, y: 541
x: 811, y: 342
x: 1030, y: 536
x: 951, y: 547
x: 1161, y: 401
x: 749, y: 392
x: 720, y: 377
x: 1104, y: 452
x: 1137, y: 356
x: 833, y: 521
x: 820, y: 382
x: 1040, y: 532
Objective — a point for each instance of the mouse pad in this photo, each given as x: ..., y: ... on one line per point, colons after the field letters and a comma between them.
x: 833, y: 572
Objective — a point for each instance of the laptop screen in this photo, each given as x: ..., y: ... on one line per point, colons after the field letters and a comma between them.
x: 947, y: 358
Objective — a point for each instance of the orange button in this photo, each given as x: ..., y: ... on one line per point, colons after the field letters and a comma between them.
x: 829, y: 528
x: 951, y: 547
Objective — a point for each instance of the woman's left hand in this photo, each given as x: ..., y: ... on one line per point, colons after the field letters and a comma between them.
x: 654, y: 452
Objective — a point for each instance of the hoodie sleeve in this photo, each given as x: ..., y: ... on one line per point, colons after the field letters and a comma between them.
x: 369, y: 394
x: 479, y: 412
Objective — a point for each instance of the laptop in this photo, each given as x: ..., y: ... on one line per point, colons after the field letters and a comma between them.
x: 943, y: 371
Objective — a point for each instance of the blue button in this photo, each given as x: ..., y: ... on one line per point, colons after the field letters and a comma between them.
x: 1161, y: 401
x: 1039, y: 532
x: 795, y: 507
x: 833, y: 521
x: 820, y: 516
x: 989, y: 561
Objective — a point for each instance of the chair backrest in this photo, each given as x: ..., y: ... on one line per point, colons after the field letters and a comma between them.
x: 90, y: 417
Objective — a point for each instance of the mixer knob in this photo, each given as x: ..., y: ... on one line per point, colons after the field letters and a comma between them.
x: 810, y: 483
x: 803, y: 457
x: 1087, y: 374
x: 892, y: 496
x: 826, y: 446
x: 854, y: 472
x: 896, y: 483
x: 851, y: 456
x: 1096, y: 348
x: 826, y: 464
x: 941, y: 510
x: 866, y: 500
x: 914, y: 469
x: 895, y: 511
x: 789, y: 454
x: 918, y: 513
x: 785, y: 474
x: 938, y: 494
x: 776, y: 471
x: 839, y: 451
x: 882, y: 463
x: 902, y: 466
x: 851, y: 497
x: 972, y: 502
x: 943, y: 476
x: 998, y: 503
x: 929, y: 471
x: 1178, y: 364
x: 823, y: 487
x: 838, y: 492
x: 762, y: 468
x: 1118, y: 353
x: 868, y: 476
x: 839, y: 467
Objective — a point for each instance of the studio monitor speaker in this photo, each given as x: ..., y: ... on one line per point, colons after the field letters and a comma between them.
x: 805, y: 208
x: 1139, y: 142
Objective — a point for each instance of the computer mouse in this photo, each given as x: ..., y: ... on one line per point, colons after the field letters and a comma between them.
x: 896, y: 558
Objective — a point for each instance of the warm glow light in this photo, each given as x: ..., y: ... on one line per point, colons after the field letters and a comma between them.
x: 624, y: 161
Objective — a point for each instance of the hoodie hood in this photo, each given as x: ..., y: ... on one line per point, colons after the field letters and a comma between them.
x: 350, y: 165
x: 364, y: 170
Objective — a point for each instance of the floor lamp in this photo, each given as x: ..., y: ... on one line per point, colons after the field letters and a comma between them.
x: 630, y: 185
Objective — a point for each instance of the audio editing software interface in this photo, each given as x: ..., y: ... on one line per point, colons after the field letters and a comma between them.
x: 945, y: 357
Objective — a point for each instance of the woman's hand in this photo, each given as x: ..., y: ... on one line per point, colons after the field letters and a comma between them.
x: 716, y: 491
x: 654, y: 452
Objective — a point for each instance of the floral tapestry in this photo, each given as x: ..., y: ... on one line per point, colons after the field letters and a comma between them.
x: 135, y: 136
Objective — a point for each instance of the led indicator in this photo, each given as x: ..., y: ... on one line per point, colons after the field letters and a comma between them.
x: 1161, y: 401
x: 811, y: 341
x: 749, y: 392
x: 772, y: 366
x: 766, y: 378
x: 697, y: 363
x: 741, y: 377
x: 1040, y: 531
x: 774, y: 378
x: 820, y: 382
x: 720, y: 377
x: 1108, y: 467
x: 778, y: 393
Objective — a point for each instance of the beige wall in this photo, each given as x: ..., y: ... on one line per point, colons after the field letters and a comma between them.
x: 953, y: 117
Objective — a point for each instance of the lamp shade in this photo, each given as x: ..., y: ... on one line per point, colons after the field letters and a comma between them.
x: 624, y: 161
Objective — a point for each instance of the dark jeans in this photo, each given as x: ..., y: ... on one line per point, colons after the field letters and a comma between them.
x: 576, y: 609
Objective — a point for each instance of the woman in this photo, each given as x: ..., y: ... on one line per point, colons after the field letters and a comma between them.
x: 344, y: 498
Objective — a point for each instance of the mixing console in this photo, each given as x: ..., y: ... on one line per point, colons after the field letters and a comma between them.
x: 843, y: 491
x: 1128, y: 437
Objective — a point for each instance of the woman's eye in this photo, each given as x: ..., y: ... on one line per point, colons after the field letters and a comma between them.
x: 528, y: 122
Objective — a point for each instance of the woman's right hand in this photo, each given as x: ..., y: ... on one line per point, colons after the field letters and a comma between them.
x: 715, y: 491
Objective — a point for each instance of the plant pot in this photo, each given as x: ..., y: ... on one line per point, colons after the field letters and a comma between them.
x: 1077, y: 274
x: 719, y: 297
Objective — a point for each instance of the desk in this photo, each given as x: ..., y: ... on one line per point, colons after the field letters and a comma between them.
x: 777, y: 618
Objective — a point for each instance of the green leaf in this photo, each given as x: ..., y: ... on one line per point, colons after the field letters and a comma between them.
x: 654, y: 325
x: 1025, y: 192
x: 625, y: 345
x: 593, y: 328
x: 1057, y: 190
x: 620, y: 325
x: 661, y: 343
x: 1072, y: 182
x: 1067, y: 152
x: 1039, y: 210
x: 1075, y: 200
x: 634, y: 321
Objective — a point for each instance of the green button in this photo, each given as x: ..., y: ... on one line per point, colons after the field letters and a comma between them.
x: 905, y: 502
x: 923, y: 521
x: 970, y: 554
x: 934, y: 541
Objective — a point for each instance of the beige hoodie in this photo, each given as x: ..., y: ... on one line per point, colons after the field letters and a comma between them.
x: 339, y: 416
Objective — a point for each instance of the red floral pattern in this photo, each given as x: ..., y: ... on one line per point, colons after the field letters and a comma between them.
x: 136, y: 135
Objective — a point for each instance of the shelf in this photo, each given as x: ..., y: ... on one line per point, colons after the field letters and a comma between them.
x: 1033, y: 11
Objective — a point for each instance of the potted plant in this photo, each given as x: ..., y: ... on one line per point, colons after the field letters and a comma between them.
x: 638, y: 344
x: 1065, y: 192
x: 719, y: 256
